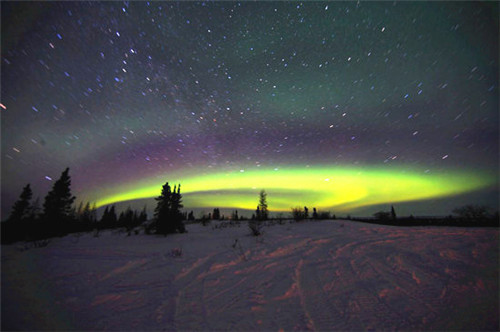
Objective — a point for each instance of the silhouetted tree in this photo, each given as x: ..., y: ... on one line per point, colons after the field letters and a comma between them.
x: 472, y: 212
x: 216, y: 214
x: 19, y: 225
x: 325, y: 215
x: 255, y: 227
x: 128, y: 219
x: 21, y: 209
x: 168, y: 217
x: 108, y: 219
x: 190, y: 216
x: 58, y: 205
x: 393, y: 213
x: 306, y: 212
x: 234, y: 215
x: 315, y: 214
x: 382, y: 215
x: 298, y: 213
x: 86, y: 217
x: 105, y: 217
x: 143, y: 217
x: 34, y: 210
x: 262, y: 212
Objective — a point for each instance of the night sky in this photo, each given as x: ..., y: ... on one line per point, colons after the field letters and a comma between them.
x: 340, y: 105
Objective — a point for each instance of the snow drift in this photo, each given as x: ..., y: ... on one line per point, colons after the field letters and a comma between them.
x: 325, y: 275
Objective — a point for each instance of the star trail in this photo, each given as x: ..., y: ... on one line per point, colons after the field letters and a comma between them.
x: 340, y: 105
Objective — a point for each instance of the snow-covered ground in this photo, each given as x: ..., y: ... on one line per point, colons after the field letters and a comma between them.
x: 325, y: 275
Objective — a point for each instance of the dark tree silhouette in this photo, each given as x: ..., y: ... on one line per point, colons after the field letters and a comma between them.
x: 18, y: 226
x: 168, y: 217
x: 298, y: 214
x: 22, y: 209
x: 34, y: 210
x: 262, y: 212
x: 216, y: 214
x: 143, y: 216
x: 393, y: 213
x: 105, y: 218
x: 129, y: 219
x: 382, y: 215
x: 472, y: 212
x: 57, y: 206
x: 315, y: 213
x: 109, y: 219
x: 255, y: 227
x: 86, y: 217
x: 306, y: 212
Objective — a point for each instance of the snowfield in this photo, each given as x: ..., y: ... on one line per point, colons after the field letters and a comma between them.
x: 324, y: 275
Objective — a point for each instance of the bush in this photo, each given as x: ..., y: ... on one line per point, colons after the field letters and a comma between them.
x: 324, y: 215
x: 472, y: 212
x: 382, y: 215
x: 298, y: 214
x: 255, y: 227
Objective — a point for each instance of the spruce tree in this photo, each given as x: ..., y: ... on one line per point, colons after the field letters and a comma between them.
x: 216, y: 214
x: 22, y: 209
x: 105, y: 218
x: 393, y: 213
x: 16, y: 228
x: 168, y: 217
x: 143, y: 217
x: 34, y: 210
x: 112, y: 219
x: 262, y: 212
x: 57, y: 205
x: 315, y: 214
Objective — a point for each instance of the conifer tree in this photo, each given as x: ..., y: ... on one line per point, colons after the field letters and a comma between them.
x: 85, y: 215
x: 262, y: 212
x: 112, y: 219
x: 216, y: 214
x: 168, y: 217
x: 143, y: 217
x: 57, y: 205
x: 22, y: 208
x: 393, y: 213
x: 105, y: 217
x: 34, y: 210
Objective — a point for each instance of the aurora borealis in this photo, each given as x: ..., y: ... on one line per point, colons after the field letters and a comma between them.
x: 338, y: 105
x: 324, y: 188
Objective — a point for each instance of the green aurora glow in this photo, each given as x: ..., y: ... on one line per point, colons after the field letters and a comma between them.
x: 321, y: 187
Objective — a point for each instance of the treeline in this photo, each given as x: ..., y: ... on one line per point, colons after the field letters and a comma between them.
x: 58, y: 216
x: 464, y: 216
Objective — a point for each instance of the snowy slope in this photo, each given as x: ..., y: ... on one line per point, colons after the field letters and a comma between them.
x: 327, y: 275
